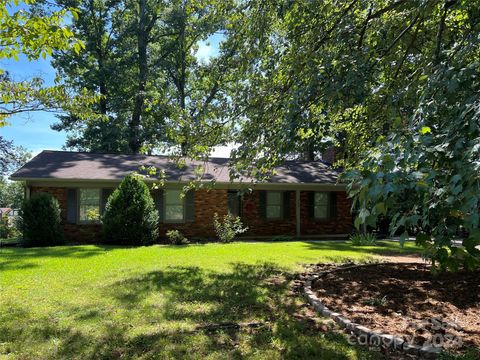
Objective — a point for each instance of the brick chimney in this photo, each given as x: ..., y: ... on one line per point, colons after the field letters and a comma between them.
x: 330, y: 155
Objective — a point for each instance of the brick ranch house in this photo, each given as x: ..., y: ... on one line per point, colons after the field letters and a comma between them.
x: 302, y: 200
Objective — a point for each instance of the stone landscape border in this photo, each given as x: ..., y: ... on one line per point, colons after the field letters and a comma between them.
x: 364, y: 335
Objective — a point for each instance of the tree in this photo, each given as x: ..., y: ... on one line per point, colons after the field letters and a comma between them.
x: 130, y: 214
x: 12, y: 157
x: 11, y: 193
x: 312, y: 74
x: 427, y: 177
x: 139, y: 58
x: 24, y: 32
x: 392, y: 83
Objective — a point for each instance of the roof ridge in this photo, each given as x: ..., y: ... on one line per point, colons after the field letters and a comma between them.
x: 114, y: 153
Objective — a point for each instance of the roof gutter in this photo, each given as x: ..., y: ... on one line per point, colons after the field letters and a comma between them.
x: 178, y: 184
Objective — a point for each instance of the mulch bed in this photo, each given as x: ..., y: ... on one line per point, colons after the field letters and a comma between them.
x: 408, y: 301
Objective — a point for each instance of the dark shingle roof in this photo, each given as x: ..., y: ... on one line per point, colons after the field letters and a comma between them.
x: 93, y: 166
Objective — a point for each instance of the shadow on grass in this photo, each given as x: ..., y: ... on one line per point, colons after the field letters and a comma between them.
x: 24, y: 258
x: 225, y: 297
x: 134, y: 325
x: 384, y: 248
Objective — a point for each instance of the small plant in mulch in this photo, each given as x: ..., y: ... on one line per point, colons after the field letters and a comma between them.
x: 377, y: 301
x: 368, y: 239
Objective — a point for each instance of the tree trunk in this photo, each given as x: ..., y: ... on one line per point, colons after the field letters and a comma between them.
x: 135, y: 142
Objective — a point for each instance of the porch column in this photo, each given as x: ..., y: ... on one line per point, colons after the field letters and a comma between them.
x: 297, y: 212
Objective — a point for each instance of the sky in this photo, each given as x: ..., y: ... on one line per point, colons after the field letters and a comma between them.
x: 32, y: 130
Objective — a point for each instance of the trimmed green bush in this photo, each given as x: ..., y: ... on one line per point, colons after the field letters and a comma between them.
x: 130, y: 216
x: 40, y: 221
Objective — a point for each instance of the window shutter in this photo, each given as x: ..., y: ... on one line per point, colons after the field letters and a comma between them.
x: 262, y: 204
x: 333, y: 204
x: 158, y: 199
x: 190, y: 206
x: 286, y: 204
x: 240, y: 206
x: 311, y: 204
x: 105, y: 195
x: 72, y: 206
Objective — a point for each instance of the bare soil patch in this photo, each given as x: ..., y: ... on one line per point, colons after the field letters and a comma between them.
x: 406, y: 300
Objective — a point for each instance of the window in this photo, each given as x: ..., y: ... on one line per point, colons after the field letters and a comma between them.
x: 89, y: 205
x: 274, y: 205
x: 321, y: 205
x: 174, y: 206
x: 234, y: 203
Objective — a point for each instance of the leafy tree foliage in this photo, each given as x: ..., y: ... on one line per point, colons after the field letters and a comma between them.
x: 130, y: 214
x: 140, y: 59
x: 11, y: 156
x: 11, y: 193
x: 40, y: 221
x: 22, y: 31
x: 427, y: 177
x: 316, y: 73
x: 394, y: 84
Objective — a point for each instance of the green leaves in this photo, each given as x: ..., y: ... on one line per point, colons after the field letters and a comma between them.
x: 425, y: 130
x: 26, y: 32
x: 433, y: 185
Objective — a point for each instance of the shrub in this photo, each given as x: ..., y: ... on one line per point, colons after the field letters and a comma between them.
x: 7, y: 230
x: 40, y: 221
x: 363, y: 239
x: 175, y: 237
x: 130, y: 216
x: 229, y: 228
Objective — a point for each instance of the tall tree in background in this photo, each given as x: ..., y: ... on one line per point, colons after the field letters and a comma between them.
x: 140, y: 58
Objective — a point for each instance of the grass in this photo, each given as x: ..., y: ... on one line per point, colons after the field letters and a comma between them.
x: 96, y: 302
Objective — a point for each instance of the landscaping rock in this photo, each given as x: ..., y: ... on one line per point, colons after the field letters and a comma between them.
x: 430, y: 352
x: 411, y: 349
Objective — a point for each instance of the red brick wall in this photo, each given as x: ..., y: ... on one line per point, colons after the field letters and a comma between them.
x: 341, y: 224
x: 257, y: 225
x: 85, y: 233
x: 209, y: 202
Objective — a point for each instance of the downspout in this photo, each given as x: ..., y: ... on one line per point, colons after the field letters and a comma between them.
x: 297, y: 213
x: 27, y: 192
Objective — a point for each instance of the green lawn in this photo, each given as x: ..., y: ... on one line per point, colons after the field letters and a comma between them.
x: 112, y: 302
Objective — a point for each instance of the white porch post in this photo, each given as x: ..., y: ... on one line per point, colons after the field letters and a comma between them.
x: 297, y: 212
